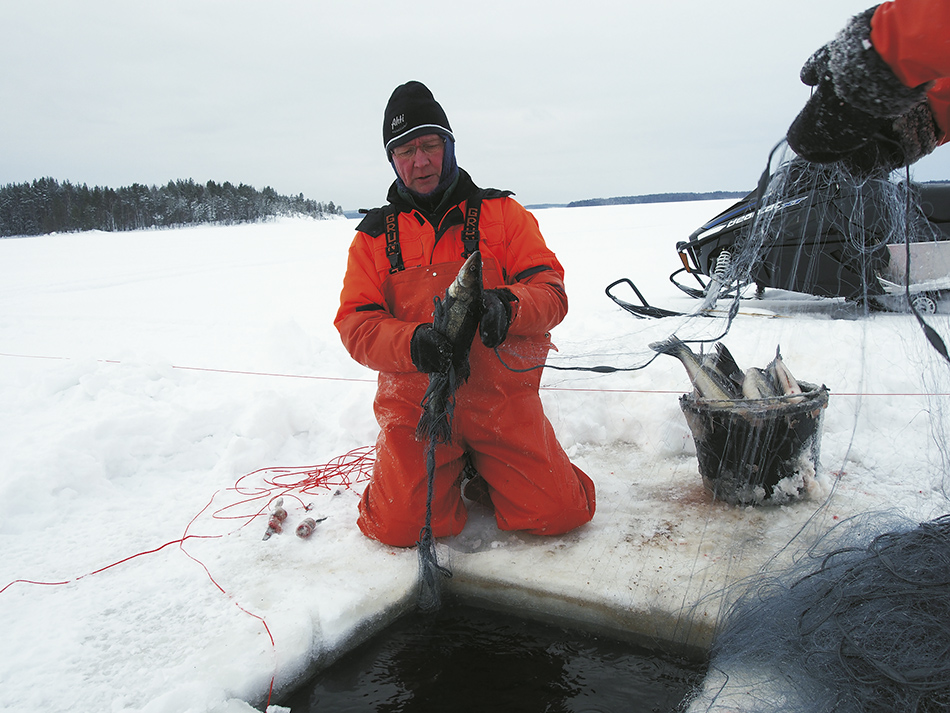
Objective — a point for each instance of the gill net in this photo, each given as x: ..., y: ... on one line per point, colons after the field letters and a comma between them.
x: 828, y: 585
x: 856, y: 620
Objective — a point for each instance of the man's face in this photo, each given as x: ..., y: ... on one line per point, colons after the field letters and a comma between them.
x: 419, y: 163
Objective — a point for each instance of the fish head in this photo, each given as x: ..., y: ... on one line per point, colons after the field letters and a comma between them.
x: 469, y: 279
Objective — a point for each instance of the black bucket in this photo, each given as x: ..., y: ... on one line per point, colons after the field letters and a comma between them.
x: 754, y: 451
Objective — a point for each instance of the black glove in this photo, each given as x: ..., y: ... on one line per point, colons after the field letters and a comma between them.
x: 430, y: 350
x: 860, y: 112
x: 903, y: 141
x: 496, y: 316
x: 828, y: 129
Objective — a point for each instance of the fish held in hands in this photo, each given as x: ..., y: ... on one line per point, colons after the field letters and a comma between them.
x: 456, y: 316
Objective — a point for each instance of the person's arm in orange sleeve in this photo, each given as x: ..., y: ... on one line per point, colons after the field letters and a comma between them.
x: 370, y: 333
x: 536, y: 301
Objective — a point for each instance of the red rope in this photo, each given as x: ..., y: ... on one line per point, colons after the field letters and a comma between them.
x: 108, y: 566
x: 343, y: 471
x: 373, y: 381
x: 201, y: 368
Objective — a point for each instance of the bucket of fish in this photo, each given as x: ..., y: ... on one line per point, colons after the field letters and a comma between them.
x: 757, y: 431
x: 754, y: 451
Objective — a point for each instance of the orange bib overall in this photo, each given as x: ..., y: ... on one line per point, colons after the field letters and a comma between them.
x: 498, y: 421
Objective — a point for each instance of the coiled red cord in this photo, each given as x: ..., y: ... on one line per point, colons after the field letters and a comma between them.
x: 342, y: 472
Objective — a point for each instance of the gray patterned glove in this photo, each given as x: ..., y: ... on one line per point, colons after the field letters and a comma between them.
x: 860, y: 112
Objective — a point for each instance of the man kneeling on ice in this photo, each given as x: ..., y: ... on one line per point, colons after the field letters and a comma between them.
x: 403, y: 256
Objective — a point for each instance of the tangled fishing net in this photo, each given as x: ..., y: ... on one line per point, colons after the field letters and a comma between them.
x: 862, y: 623
x: 861, y: 620
x: 822, y: 230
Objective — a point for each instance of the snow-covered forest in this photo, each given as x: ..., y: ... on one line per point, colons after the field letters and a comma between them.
x: 50, y: 206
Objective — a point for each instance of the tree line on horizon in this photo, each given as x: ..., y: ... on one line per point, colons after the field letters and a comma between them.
x: 656, y: 198
x: 47, y: 206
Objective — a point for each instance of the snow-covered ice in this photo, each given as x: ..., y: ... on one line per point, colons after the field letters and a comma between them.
x: 148, y: 378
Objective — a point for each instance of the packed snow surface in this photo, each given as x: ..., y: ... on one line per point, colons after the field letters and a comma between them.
x: 159, y: 389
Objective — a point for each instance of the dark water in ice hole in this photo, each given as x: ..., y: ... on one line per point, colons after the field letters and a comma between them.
x: 470, y: 659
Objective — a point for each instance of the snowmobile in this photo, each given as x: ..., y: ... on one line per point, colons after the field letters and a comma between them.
x: 820, y: 236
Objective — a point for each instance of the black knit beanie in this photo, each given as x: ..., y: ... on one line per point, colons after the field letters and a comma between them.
x: 412, y: 111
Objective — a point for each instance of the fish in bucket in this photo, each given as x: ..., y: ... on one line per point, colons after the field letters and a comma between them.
x: 757, y: 431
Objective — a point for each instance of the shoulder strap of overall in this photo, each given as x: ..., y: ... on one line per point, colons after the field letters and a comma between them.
x: 385, y: 221
x: 473, y: 210
x: 393, y: 250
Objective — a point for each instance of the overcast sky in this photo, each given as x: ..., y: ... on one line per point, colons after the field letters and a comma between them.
x: 554, y: 100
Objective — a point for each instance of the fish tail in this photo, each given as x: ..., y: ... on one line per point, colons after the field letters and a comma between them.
x: 672, y: 345
x: 727, y: 362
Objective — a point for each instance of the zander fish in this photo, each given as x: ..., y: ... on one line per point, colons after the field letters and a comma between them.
x: 757, y: 384
x: 722, y: 361
x: 785, y: 383
x: 457, y: 317
x: 709, y: 383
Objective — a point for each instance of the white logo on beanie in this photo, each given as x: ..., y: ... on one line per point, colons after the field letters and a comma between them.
x: 398, y: 122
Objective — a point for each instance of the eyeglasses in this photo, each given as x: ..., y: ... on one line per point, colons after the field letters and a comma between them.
x: 429, y: 148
